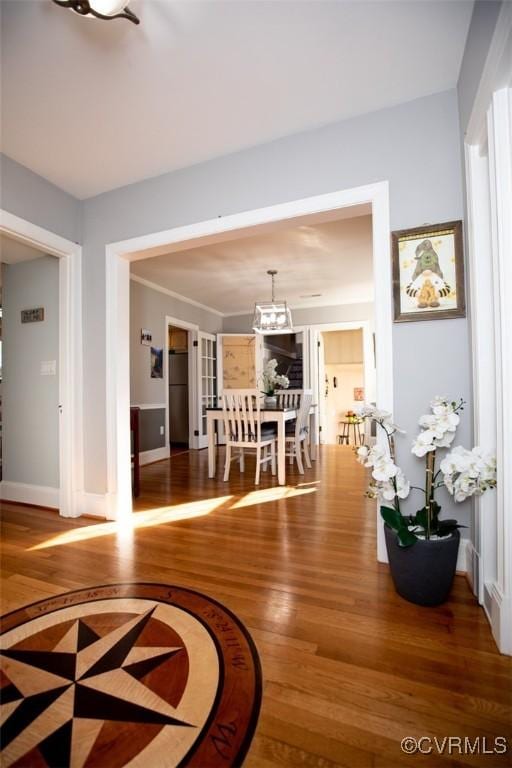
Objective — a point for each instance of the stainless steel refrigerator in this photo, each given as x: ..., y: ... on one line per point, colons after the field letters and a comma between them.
x: 178, y: 398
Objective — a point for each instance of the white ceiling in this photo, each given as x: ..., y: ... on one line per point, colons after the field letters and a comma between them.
x: 333, y: 259
x: 93, y: 105
x: 12, y: 251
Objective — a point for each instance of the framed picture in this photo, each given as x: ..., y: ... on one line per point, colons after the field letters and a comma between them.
x: 146, y: 337
x: 157, y: 360
x: 428, y: 273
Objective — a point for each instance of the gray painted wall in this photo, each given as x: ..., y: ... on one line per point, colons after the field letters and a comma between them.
x: 30, y: 197
x: 148, y: 309
x: 30, y: 401
x: 150, y: 421
x: 481, y: 30
x: 311, y: 316
x: 415, y: 146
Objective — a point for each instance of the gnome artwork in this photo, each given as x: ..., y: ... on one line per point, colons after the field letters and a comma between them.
x: 428, y: 285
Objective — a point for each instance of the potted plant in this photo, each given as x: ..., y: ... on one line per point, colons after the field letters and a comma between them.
x: 272, y: 380
x: 422, y: 548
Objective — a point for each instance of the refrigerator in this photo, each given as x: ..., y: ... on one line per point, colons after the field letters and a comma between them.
x: 178, y: 398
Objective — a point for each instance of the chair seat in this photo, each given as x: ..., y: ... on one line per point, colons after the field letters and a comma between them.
x: 268, y: 431
x: 291, y: 427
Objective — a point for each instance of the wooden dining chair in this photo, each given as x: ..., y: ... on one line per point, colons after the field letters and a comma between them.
x: 243, y: 429
x: 289, y: 398
x: 297, y: 437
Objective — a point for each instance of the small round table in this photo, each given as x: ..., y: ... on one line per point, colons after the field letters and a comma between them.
x: 344, y: 436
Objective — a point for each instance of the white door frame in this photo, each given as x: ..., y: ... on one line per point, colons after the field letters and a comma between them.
x: 488, y: 155
x: 192, y: 331
x: 368, y: 357
x: 70, y: 494
x: 119, y: 254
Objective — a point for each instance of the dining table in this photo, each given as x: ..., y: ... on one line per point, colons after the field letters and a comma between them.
x: 278, y: 414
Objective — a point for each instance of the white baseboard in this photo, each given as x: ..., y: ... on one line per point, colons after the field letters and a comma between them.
x: 462, y: 557
x: 498, y: 608
x: 472, y: 566
x: 24, y: 493
x: 95, y: 504
x: 156, y: 454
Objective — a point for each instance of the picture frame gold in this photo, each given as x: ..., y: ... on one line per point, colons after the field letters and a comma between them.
x: 428, y: 273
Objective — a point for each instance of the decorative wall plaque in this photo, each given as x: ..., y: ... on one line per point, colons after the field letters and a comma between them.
x: 32, y: 315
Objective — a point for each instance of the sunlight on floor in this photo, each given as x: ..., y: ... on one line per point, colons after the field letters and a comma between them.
x: 270, y: 494
x: 157, y: 516
x: 124, y: 528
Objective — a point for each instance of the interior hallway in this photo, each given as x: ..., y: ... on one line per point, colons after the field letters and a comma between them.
x: 349, y: 668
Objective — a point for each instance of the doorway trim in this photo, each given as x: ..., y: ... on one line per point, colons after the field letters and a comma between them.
x: 69, y: 496
x: 119, y: 254
x: 192, y: 331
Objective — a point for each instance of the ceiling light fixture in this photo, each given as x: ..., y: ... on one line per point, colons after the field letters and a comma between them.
x: 272, y: 316
x: 100, y: 9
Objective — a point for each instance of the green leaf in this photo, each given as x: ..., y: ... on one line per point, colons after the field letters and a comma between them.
x: 421, y: 518
x: 445, y: 527
x: 406, y: 538
x: 393, y: 518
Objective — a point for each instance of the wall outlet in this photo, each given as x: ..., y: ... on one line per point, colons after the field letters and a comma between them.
x: 162, y: 430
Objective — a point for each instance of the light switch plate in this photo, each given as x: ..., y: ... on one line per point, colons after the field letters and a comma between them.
x: 48, y: 367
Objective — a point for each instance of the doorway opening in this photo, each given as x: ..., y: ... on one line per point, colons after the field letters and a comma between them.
x: 340, y: 386
x: 178, y: 385
x: 56, y: 482
x: 220, y: 229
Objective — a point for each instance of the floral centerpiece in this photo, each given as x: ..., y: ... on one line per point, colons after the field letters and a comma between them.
x: 464, y: 473
x: 272, y: 380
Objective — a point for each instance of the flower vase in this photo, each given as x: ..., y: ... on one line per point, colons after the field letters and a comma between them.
x: 270, y: 401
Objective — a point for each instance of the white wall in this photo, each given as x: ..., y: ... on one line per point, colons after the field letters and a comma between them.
x: 30, y: 401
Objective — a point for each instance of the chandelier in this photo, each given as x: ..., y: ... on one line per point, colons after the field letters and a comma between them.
x: 272, y: 316
x: 100, y: 9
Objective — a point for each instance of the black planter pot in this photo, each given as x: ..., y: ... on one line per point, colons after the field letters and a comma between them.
x: 423, y: 573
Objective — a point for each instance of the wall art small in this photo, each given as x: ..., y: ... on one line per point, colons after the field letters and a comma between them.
x: 428, y: 272
x: 146, y: 337
x: 32, y: 315
x: 359, y: 394
x: 157, y: 363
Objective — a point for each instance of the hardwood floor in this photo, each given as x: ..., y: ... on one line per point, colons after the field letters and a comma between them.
x: 349, y: 668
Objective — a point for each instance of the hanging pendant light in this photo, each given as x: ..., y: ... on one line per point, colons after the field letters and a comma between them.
x: 272, y: 316
x: 100, y: 9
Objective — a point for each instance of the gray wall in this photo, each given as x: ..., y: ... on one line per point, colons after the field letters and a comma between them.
x: 30, y: 197
x: 415, y: 146
x: 481, y: 30
x: 311, y: 316
x: 148, y: 309
x: 30, y: 401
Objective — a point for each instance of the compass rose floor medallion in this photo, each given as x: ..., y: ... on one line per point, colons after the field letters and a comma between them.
x: 146, y: 675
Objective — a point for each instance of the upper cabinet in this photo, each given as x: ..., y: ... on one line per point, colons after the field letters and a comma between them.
x: 240, y: 360
x: 343, y: 346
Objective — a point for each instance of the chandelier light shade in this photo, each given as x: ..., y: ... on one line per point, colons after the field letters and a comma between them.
x: 100, y: 9
x: 272, y: 316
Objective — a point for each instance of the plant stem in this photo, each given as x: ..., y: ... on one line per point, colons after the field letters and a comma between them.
x: 429, y: 489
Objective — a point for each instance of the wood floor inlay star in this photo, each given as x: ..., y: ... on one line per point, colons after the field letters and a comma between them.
x: 139, y: 674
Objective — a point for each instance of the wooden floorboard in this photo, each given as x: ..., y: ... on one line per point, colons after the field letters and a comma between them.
x: 349, y: 668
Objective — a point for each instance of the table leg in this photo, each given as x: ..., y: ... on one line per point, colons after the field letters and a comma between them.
x: 281, y: 448
x: 210, y: 431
